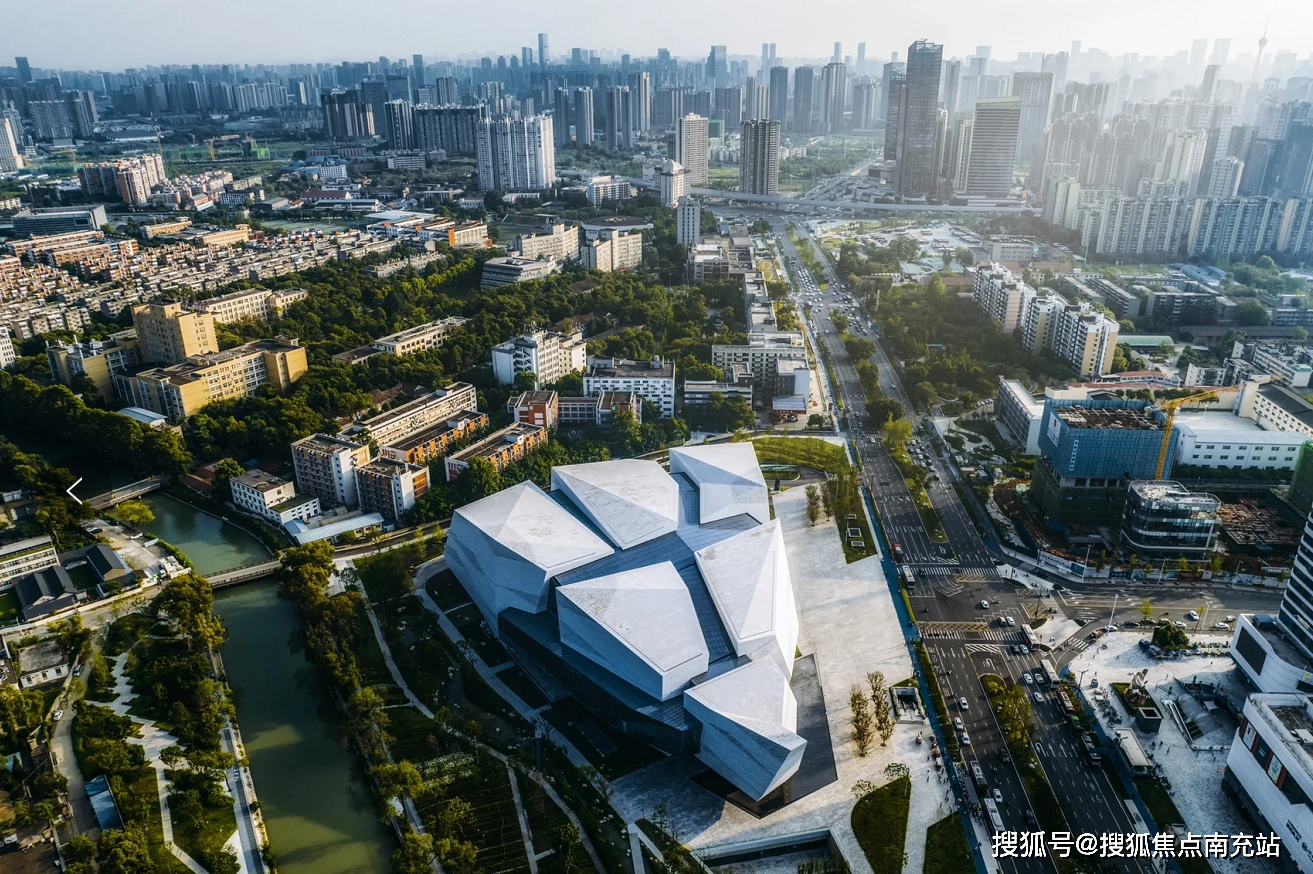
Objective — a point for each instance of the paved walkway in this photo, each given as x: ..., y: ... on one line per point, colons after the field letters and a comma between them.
x: 153, y: 741
x: 931, y: 801
x: 499, y: 687
x: 247, y: 840
x: 61, y: 748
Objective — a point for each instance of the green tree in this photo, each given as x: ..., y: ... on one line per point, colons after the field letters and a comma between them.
x: 1251, y: 313
x: 828, y: 496
x: 860, y: 707
x: 881, y: 711
x: 483, y: 478
x: 1146, y: 609
x: 132, y: 513
x: 896, y: 434
x: 224, y: 472
x: 187, y: 602
x: 1182, y: 565
x: 415, y: 855
x: 859, y: 348
x: 1167, y: 636
x: 124, y: 852
x: 813, y: 504
x: 399, y: 780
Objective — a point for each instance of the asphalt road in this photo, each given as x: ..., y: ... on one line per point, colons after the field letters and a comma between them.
x: 960, y: 599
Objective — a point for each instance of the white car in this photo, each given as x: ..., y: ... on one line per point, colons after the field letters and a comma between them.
x: 1193, y: 616
x: 1039, y: 698
x: 957, y: 722
x: 1011, y: 622
x: 966, y: 739
x: 59, y: 714
x: 1028, y: 679
x: 962, y: 703
x: 998, y: 796
x: 1221, y: 626
x: 1179, y: 624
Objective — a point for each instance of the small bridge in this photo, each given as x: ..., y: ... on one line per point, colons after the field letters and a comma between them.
x: 236, y: 575
x: 126, y: 493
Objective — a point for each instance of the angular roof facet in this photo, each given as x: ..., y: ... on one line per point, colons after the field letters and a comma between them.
x: 632, y: 501
x: 728, y: 477
x: 748, y: 577
x: 530, y: 524
x: 640, y: 624
x: 749, y: 722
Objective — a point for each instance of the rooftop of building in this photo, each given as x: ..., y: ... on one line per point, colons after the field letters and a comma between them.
x: 1124, y: 418
x: 656, y: 368
x: 41, y: 656
x: 294, y: 501
x: 1167, y: 490
x: 455, y: 422
x: 326, y: 443
x: 1288, y: 400
x: 532, y: 398
x: 426, y: 328
x: 387, y: 467
x: 260, y: 480
x: 411, y: 407
x: 1022, y: 395
x: 514, y: 261
x: 495, y: 441
x: 1218, y: 420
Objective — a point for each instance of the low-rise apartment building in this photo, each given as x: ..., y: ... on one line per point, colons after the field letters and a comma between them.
x: 390, y: 487
x: 437, y: 441
x: 653, y: 381
x: 180, y: 390
x: 21, y: 557
x: 272, y: 497
x: 467, y: 234
x: 547, y: 354
x: 509, y: 270
x: 97, y: 360
x: 426, y: 411
x: 255, y: 303
x: 503, y: 447
x: 420, y: 338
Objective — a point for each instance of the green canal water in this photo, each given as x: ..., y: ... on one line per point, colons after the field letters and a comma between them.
x: 316, y: 803
x: 317, y: 806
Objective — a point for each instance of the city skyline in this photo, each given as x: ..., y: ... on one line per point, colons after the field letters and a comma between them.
x: 1160, y: 29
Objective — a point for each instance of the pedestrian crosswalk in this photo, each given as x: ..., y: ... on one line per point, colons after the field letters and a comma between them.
x: 970, y: 631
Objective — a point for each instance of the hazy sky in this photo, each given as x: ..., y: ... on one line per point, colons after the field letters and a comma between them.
x: 93, y: 34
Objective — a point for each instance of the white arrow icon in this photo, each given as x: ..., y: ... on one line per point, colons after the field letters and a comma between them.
x: 70, y: 491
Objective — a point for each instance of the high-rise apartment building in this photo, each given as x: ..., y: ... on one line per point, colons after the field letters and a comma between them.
x: 729, y: 106
x: 672, y: 183
x: 918, y: 128
x: 168, y: 334
x: 398, y: 124
x: 542, y: 50
x: 619, y: 117
x: 561, y: 120
x: 11, y: 160
x: 82, y: 112
x: 1035, y: 90
x: 759, y: 157
x: 390, y: 487
x: 897, y: 92
x: 1085, y: 339
x: 1224, y: 177
x: 127, y: 179
x: 50, y: 119
x: 866, y: 104
x: 24, y: 69
x: 993, y: 147
x: 346, y: 116
x: 584, y: 120
x: 516, y: 154
x: 755, y: 98
x: 833, y: 91
x: 1001, y: 295
x: 803, y: 78
x: 688, y: 221
x: 452, y: 129
x: 779, y: 94
x: 640, y: 101
x: 691, y: 147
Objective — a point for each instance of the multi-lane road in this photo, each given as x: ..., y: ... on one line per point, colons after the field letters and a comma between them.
x: 961, y: 601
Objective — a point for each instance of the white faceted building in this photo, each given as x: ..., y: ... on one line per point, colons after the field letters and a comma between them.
x: 749, y: 722
x: 729, y: 480
x: 748, y: 576
x: 640, y: 625
x: 507, y: 547
x: 661, y: 601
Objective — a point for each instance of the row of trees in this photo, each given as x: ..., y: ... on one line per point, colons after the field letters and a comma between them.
x: 873, y: 715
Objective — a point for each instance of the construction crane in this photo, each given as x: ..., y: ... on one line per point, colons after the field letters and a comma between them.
x: 1170, y: 407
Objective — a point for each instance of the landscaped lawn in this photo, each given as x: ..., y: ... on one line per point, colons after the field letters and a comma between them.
x: 946, y: 850
x: 880, y: 823
x: 8, y: 607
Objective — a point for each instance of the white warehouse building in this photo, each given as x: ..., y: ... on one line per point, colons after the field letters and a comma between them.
x: 662, y: 601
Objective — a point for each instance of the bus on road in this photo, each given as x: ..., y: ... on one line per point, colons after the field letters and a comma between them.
x: 991, y: 814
